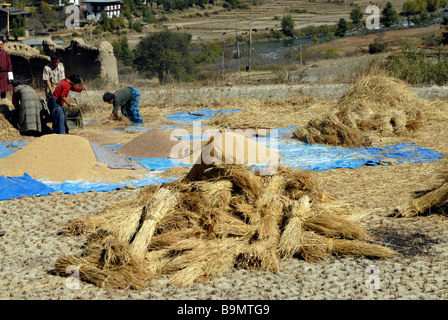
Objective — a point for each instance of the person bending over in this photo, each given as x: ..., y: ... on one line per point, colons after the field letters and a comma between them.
x: 59, y: 98
x: 28, y: 109
x: 127, y: 100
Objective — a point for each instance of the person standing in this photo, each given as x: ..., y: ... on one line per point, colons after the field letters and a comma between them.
x: 59, y: 98
x: 126, y: 99
x: 53, y: 73
x: 6, y: 74
x: 28, y: 109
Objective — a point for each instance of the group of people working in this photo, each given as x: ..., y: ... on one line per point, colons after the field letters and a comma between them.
x: 29, y: 112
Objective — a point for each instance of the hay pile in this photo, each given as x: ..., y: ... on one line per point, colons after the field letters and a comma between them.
x: 376, y: 104
x: 216, y: 218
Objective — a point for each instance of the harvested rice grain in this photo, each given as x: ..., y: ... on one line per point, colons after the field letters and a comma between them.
x: 59, y: 157
x: 154, y: 143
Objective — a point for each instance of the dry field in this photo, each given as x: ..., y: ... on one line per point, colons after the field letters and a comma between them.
x: 216, y: 24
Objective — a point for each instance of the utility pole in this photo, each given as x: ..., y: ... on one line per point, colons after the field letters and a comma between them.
x: 6, y: 6
x: 91, y: 35
x: 237, y: 45
x: 222, y: 65
x: 250, y: 46
x: 300, y: 55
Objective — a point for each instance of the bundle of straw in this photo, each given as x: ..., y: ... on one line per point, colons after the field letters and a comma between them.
x: 221, y: 217
x: 437, y: 198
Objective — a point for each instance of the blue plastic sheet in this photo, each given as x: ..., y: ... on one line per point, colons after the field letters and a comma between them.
x: 188, y: 117
x: 295, y: 154
x: 305, y: 156
x: 8, y: 148
x: 18, y: 187
x: 80, y: 186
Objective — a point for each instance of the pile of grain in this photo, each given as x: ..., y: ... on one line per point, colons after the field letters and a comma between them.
x: 61, y: 158
x: 376, y: 104
x: 216, y: 218
x: 154, y: 143
x: 7, y: 131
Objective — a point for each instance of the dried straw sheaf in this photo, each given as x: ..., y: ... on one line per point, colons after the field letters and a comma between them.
x: 375, y: 105
x: 219, y: 218
x: 435, y: 200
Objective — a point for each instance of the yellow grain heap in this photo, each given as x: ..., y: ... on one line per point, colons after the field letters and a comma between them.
x: 62, y: 157
x: 7, y: 131
x: 216, y: 218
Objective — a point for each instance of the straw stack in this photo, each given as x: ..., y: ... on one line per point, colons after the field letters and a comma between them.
x: 219, y: 218
x: 375, y: 105
x: 434, y: 200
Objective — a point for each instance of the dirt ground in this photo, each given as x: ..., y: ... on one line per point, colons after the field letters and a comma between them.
x: 33, y: 241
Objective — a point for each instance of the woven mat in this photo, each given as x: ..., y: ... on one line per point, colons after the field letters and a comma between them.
x: 114, y: 160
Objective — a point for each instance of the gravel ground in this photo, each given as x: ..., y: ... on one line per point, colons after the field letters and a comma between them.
x: 33, y: 242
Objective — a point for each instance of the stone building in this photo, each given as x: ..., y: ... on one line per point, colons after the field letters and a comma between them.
x: 10, y: 13
x: 89, y: 62
x: 95, y: 7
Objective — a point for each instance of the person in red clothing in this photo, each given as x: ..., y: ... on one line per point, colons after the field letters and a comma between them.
x: 57, y: 101
x: 6, y: 75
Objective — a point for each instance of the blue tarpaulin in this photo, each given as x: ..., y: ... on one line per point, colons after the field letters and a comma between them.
x: 8, y: 148
x: 295, y: 154
x: 18, y: 187
x: 188, y: 117
x: 80, y: 186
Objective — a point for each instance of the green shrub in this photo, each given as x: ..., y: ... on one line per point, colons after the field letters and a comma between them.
x: 331, y: 53
x: 415, y: 67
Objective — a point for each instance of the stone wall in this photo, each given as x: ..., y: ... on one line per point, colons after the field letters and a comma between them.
x: 262, y: 92
x: 27, y: 63
x: 89, y: 62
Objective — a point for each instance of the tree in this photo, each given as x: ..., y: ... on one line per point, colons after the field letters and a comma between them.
x: 47, y: 13
x: 18, y: 27
x: 121, y: 49
x: 433, y: 5
x: 288, y: 26
x: 388, y: 15
x: 356, y: 15
x: 164, y: 53
x: 414, y: 7
x: 209, y: 54
x: 444, y: 27
x: 342, y: 28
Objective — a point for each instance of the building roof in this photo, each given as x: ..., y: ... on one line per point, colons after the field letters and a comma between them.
x: 103, y: 1
x: 39, y: 42
x: 13, y: 11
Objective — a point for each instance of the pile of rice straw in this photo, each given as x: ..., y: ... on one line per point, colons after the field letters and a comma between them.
x: 376, y: 104
x: 214, y: 219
